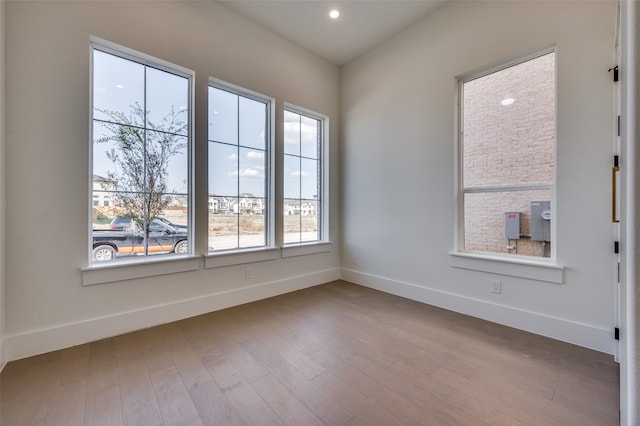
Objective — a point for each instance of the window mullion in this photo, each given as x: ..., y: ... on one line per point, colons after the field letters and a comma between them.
x: 300, y: 176
x: 506, y: 188
x: 145, y: 196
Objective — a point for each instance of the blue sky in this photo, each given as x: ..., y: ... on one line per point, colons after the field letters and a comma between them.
x: 236, y: 130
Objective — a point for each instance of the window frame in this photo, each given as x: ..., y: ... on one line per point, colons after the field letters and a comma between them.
x: 143, y: 266
x: 269, y: 251
x: 532, y: 267
x: 323, y: 243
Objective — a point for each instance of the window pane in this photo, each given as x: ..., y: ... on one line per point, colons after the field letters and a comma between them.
x: 301, y: 178
x: 291, y: 133
x: 252, y: 222
x: 309, y: 137
x: 238, y: 170
x: 167, y: 101
x: 291, y: 176
x: 253, y: 120
x: 167, y: 162
x: 178, y: 169
x: 103, y: 147
x: 223, y: 224
x: 485, y: 216
x: 118, y: 86
x: 509, y: 125
x: 177, y: 212
x: 309, y: 179
x: 292, y: 220
x: 309, y: 228
x: 223, y: 169
x: 251, y: 172
x: 223, y: 116
x: 140, y: 164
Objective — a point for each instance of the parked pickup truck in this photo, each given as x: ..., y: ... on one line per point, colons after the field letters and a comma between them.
x: 163, y: 238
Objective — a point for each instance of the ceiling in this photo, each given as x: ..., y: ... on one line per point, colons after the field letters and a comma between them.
x: 362, y: 24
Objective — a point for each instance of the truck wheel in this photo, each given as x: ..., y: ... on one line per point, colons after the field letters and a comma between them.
x: 181, y: 247
x: 103, y: 253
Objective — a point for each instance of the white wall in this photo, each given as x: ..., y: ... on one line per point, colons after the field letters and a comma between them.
x: 398, y: 164
x: 47, y: 98
x: 2, y: 179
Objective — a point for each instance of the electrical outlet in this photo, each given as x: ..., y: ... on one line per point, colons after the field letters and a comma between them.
x: 496, y: 286
x: 248, y: 274
x: 354, y: 260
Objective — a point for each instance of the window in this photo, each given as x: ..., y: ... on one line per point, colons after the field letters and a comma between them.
x: 141, y: 156
x: 240, y: 182
x: 303, y: 176
x: 507, y: 159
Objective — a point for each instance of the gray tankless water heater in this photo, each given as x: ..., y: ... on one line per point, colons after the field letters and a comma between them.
x: 541, y: 220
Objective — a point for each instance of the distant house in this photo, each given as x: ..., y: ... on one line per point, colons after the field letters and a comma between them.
x: 103, y: 191
x: 179, y: 201
x: 247, y: 204
x: 219, y: 205
x: 296, y: 208
x: 250, y: 205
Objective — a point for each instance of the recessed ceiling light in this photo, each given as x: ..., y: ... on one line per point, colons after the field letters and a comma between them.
x: 507, y: 101
x: 334, y: 14
x: 119, y: 86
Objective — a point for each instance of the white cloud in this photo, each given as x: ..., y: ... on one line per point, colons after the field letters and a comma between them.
x: 299, y: 173
x: 253, y: 155
x: 233, y: 157
x: 250, y: 173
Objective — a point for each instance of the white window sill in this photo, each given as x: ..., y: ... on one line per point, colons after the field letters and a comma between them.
x: 533, y: 269
x: 238, y: 257
x: 129, y: 270
x: 302, y: 249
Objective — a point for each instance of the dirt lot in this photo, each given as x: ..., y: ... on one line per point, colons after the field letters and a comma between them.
x: 222, y: 224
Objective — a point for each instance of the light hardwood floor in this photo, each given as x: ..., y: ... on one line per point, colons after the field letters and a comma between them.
x: 336, y: 354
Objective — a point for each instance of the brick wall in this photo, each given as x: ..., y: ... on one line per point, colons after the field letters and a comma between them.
x: 507, y: 145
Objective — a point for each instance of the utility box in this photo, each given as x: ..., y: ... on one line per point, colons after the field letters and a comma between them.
x: 541, y: 220
x: 512, y: 225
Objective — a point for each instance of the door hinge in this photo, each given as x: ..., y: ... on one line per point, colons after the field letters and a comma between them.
x: 615, y: 73
x: 616, y: 247
x: 618, y: 126
x: 616, y: 333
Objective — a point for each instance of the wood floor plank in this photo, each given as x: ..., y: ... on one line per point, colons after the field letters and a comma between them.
x: 192, y: 371
x: 29, y: 407
x: 251, y: 408
x: 212, y: 405
x: 285, y: 404
x: 139, y: 404
x: 531, y: 409
x: 103, y: 407
x: 329, y: 410
x: 11, y: 379
x: 335, y: 354
x: 67, y: 403
x: 248, y: 366
x: 363, y: 407
x: 174, y: 401
x: 585, y: 394
x: 384, y: 389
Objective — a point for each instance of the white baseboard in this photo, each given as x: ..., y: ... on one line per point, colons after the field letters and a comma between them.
x: 557, y: 328
x: 66, y: 335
